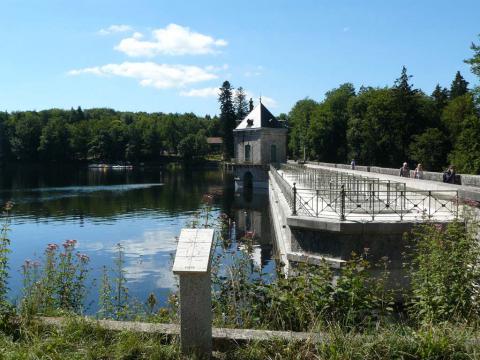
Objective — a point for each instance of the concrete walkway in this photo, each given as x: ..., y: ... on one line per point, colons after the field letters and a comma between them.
x: 464, y: 192
x: 436, y: 201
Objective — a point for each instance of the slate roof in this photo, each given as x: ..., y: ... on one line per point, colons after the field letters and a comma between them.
x: 259, y: 117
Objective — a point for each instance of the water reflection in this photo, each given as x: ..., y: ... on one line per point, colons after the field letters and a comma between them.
x: 253, y: 224
x: 143, y: 209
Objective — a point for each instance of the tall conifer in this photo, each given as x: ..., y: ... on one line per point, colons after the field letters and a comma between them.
x: 459, y: 86
x: 227, y: 118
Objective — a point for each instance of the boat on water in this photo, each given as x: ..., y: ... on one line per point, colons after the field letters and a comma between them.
x: 110, y: 167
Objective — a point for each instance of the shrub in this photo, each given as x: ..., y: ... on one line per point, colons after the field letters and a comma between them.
x: 444, y: 272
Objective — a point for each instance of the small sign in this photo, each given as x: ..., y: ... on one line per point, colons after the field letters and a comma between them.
x: 193, y: 251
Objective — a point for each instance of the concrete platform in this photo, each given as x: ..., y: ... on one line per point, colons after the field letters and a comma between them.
x: 415, y: 205
x: 464, y: 192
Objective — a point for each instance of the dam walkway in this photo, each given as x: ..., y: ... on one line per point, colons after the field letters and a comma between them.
x: 353, y: 196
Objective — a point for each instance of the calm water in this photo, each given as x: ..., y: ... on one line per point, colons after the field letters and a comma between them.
x: 143, y: 209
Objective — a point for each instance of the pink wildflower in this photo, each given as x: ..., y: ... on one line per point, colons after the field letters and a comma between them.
x: 83, y: 258
x: 69, y: 243
x: 52, y: 247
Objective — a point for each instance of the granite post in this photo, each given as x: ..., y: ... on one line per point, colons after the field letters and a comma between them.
x: 192, y: 264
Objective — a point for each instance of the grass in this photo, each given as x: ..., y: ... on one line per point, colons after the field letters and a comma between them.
x: 79, y: 339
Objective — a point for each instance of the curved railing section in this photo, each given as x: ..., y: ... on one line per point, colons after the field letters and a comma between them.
x: 344, y: 196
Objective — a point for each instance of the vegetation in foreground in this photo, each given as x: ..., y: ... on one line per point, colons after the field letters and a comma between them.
x: 358, y: 318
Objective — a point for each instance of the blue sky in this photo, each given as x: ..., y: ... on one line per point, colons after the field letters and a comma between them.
x: 171, y: 55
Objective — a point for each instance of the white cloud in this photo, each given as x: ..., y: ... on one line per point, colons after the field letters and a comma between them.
x: 269, y: 102
x: 205, y: 92
x: 217, y: 68
x: 160, y: 76
x: 113, y: 29
x: 214, y: 92
x: 257, y: 71
x: 172, y: 40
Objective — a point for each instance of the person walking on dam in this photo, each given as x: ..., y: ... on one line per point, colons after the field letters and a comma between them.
x: 418, y: 173
x: 404, y: 170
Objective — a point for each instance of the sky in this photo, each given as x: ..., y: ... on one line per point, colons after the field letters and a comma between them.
x: 172, y: 56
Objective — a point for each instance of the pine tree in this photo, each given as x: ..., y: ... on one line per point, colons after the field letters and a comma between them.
x: 440, y: 96
x: 227, y: 118
x: 474, y: 61
x: 250, y: 104
x: 406, y: 121
x: 240, y: 102
x: 459, y: 86
x: 402, y: 84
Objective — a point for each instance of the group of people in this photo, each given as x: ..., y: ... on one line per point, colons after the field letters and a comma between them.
x: 417, y: 173
x: 449, y: 175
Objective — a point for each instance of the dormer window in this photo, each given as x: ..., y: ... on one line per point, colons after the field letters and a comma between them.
x: 249, y: 122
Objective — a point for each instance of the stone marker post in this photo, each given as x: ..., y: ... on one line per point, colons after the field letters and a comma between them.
x: 192, y: 264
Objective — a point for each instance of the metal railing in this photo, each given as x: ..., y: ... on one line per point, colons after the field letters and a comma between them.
x: 360, y: 198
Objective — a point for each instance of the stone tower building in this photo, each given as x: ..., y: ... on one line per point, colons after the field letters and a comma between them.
x: 259, y: 140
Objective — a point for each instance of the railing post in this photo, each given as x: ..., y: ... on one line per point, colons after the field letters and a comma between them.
x: 429, y: 204
x: 317, y: 192
x: 388, y: 193
x: 294, y: 207
x: 373, y: 205
x: 342, y: 203
x: 401, y: 204
x: 456, y: 204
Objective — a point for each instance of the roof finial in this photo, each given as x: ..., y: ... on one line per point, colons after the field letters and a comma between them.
x: 260, y: 98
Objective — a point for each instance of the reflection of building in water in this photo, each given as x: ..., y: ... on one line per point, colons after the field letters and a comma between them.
x: 252, y: 226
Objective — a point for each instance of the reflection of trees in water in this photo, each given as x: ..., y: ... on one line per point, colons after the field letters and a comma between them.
x: 182, y: 190
x: 252, y: 225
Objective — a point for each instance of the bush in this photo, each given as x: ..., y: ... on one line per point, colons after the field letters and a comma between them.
x: 444, y: 272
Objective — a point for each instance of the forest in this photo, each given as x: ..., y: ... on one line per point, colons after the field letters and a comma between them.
x: 389, y: 125
x: 102, y: 135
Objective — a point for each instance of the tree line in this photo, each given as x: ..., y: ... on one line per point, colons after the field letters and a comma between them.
x: 114, y: 136
x: 102, y: 135
x: 387, y: 126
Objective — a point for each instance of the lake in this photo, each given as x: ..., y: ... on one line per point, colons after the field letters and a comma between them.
x: 143, y: 209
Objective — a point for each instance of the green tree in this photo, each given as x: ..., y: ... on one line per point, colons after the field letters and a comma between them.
x: 193, y: 146
x: 455, y: 113
x: 459, y: 86
x: 372, y: 132
x: 240, y: 103
x: 474, y: 63
x: 328, y: 126
x: 24, y: 135
x: 227, y: 118
x: 54, y: 141
x: 79, y: 137
x: 440, y: 97
x: 430, y: 149
x: 299, y: 121
x: 466, y: 151
x: 411, y: 118
x: 3, y: 135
